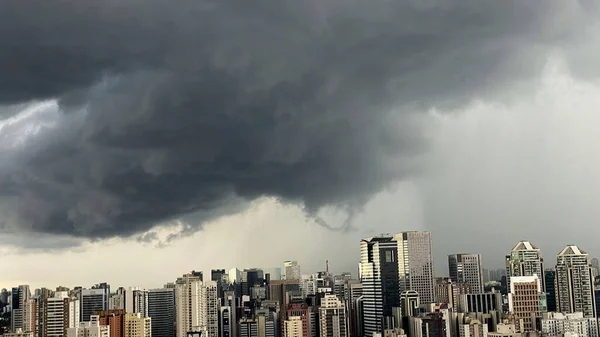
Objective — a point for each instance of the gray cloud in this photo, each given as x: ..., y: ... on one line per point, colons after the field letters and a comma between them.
x: 178, y: 108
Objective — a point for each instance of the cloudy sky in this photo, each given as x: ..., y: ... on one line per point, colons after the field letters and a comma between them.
x: 140, y: 139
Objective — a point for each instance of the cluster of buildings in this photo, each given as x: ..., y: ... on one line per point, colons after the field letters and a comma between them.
x: 396, y: 294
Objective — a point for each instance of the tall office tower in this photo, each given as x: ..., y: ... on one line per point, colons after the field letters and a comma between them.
x: 526, y: 301
x: 137, y: 326
x: 486, y: 275
x: 378, y: 271
x: 74, y: 313
x: 466, y: 268
x: 136, y: 301
x: 225, y: 321
x: 93, y: 328
x: 115, y: 319
x: 188, y: 304
x: 308, y: 285
x: 235, y: 275
x: 231, y: 301
x: 595, y: 267
x: 161, y: 309
x: 524, y: 259
x: 30, y: 318
x: 279, y: 289
x: 332, y: 317
x: 575, y: 282
x: 248, y: 327
x: 409, y: 303
x: 250, y: 278
x: 20, y: 297
x: 415, y: 264
x: 353, y: 293
x: 296, y: 310
x: 92, y: 301
x: 116, y: 301
x: 56, y: 315
x: 217, y: 275
x: 550, y: 280
x: 209, y: 313
x: 292, y: 270
x: 41, y: 297
x: 268, y: 323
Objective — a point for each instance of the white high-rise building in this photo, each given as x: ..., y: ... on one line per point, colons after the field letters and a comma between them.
x: 56, y: 308
x: 333, y: 317
x: 89, y: 329
x: 292, y: 270
x: 209, y: 310
x: 467, y: 268
x: 74, y: 313
x: 415, y: 264
x: 136, y: 301
x: 197, y: 306
x: 235, y: 275
x: 524, y: 259
x: 575, y: 282
x: 188, y: 304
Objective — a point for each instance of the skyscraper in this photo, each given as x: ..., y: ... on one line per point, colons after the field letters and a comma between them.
x: 524, y: 259
x: 575, y: 282
x: 292, y: 270
x: 550, y: 280
x: 466, y: 268
x: 415, y: 264
x: 188, y: 306
x: 332, y: 317
x: 137, y: 325
x: 92, y: 301
x: 209, y: 310
x: 161, y: 309
x: 526, y: 301
x: 378, y: 271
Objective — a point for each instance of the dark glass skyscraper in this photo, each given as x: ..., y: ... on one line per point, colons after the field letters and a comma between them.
x: 550, y: 286
x: 161, y: 308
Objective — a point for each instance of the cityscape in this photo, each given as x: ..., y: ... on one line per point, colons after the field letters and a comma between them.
x: 394, y: 294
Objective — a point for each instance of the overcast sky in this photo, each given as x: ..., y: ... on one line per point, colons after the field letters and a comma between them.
x: 142, y: 139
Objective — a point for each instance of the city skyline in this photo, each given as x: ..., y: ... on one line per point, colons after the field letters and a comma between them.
x: 482, y: 135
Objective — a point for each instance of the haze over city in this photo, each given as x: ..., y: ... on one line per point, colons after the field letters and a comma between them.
x: 182, y: 135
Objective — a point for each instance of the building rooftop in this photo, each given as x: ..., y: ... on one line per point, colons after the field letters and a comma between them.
x: 524, y: 245
x: 572, y: 250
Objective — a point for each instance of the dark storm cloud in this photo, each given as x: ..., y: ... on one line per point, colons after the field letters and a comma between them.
x: 177, y: 108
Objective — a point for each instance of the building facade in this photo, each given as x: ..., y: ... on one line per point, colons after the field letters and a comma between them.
x: 524, y: 259
x: 575, y: 282
x: 161, y: 310
x: 467, y: 269
x: 415, y: 264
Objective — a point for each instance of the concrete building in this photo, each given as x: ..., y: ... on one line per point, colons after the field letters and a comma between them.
x: 333, y: 317
x: 297, y: 310
x: 467, y: 269
x: 209, y: 310
x: 378, y: 271
x: 279, y: 289
x: 136, y: 301
x: 449, y: 292
x: 550, y: 288
x: 188, y: 304
x: 524, y: 259
x: 575, y: 282
x: 115, y: 319
x: 473, y: 329
x: 248, y: 327
x: 19, y: 300
x: 92, y: 328
x: 415, y: 264
x: 56, y: 315
x: 292, y: 270
x: 526, y: 301
x: 558, y: 324
x: 293, y: 327
x: 137, y: 326
x: 161, y: 309
x: 484, y: 303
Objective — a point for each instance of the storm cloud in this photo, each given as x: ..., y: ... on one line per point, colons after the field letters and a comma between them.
x: 121, y: 115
